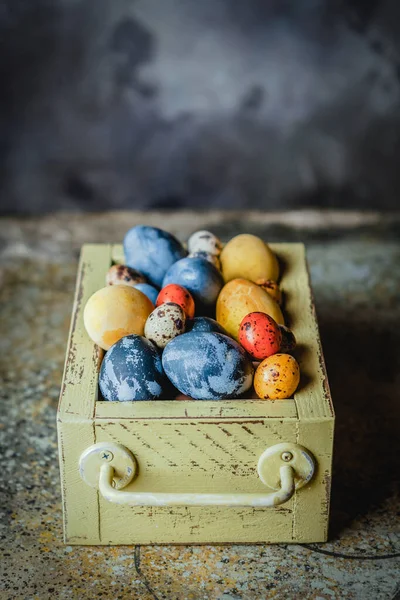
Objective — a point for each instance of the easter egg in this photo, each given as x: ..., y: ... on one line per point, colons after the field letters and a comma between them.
x: 207, y: 366
x: 179, y: 295
x: 115, y: 311
x: 164, y: 323
x: 212, y: 258
x: 288, y: 342
x: 206, y: 324
x: 200, y: 278
x: 152, y: 251
x: 272, y: 288
x: 132, y: 370
x: 123, y: 275
x: 204, y: 241
x: 260, y: 335
x: 148, y: 290
x: 249, y: 257
x: 277, y: 377
x: 240, y: 297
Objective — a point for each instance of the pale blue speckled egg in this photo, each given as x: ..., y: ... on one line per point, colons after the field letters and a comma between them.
x: 152, y: 251
x: 208, y: 366
x: 132, y: 370
x: 200, y: 278
x: 148, y: 290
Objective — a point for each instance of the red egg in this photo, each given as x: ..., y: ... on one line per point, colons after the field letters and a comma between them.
x: 179, y: 295
x: 260, y: 335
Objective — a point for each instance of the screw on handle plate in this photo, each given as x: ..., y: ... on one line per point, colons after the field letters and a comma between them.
x: 111, y: 467
x: 122, y: 460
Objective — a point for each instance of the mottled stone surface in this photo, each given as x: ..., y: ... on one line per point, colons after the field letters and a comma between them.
x: 355, y: 268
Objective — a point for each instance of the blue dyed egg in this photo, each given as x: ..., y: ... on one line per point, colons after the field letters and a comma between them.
x: 207, y: 366
x: 132, y: 370
x: 152, y: 251
x: 205, y: 324
x: 200, y: 278
x: 148, y: 290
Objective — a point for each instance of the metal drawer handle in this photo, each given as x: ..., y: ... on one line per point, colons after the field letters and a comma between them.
x: 110, y: 467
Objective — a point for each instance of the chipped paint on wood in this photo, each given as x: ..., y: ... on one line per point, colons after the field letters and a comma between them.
x: 195, y: 446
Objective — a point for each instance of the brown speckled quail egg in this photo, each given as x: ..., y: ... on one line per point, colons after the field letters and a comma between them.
x: 165, y: 323
x: 123, y: 275
x: 204, y: 241
x: 212, y: 258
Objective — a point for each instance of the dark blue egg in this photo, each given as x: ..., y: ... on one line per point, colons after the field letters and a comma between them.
x: 152, y: 251
x: 205, y: 324
x: 148, y: 290
x: 208, y: 366
x: 202, y: 280
x: 132, y: 370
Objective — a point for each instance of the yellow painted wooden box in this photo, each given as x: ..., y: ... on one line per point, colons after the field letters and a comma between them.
x: 204, y: 471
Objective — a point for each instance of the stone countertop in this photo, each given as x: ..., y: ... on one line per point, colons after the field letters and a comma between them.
x: 355, y: 268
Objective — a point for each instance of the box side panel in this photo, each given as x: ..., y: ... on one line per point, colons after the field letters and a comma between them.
x: 223, y: 409
x: 80, y: 501
x: 79, y: 387
x: 311, y: 507
x: 192, y: 456
x: 313, y: 397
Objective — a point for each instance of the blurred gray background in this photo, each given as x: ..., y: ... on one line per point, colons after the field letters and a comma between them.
x: 268, y: 104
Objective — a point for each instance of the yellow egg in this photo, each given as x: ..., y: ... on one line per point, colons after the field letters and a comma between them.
x: 115, y: 311
x: 249, y: 257
x: 240, y: 297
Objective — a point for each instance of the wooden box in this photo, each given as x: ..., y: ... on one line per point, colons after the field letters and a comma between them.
x: 208, y: 450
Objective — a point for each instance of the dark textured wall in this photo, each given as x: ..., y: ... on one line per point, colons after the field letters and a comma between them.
x: 223, y: 103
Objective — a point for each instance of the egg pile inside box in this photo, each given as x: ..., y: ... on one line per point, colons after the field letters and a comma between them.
x: 200, y: 323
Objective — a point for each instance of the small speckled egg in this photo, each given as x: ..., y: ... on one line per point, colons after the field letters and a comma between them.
x: 204, y: 241
x: 179, y: 295
x: 132, y: 370
x: 212, y: 258
x: 272, y: 288
x: 164, y: 324
x: 277, y: 377
x: 260, y: 335
x: 123, y: 275
x: 152, y: 251
x: 249, y: 257
x: 240, y: 297
x: 148, y: 290
x: 114, y: 312
x: 200, y: 278
x: 288, y: 342
x: 208, y: 366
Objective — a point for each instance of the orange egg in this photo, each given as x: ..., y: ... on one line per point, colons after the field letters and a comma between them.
x: 178, y: 295
x: 277, y: 377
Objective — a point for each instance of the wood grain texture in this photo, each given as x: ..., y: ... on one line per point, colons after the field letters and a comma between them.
x: 313, y: 398
x: 196, y: 456
x: 311, y: 506
x: 80, y: 501
x: 224, y: 409
x: 79, y: 386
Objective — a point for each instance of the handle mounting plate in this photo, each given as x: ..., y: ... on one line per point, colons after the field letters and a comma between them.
x: 120, y: 458
x: 288, y: 453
